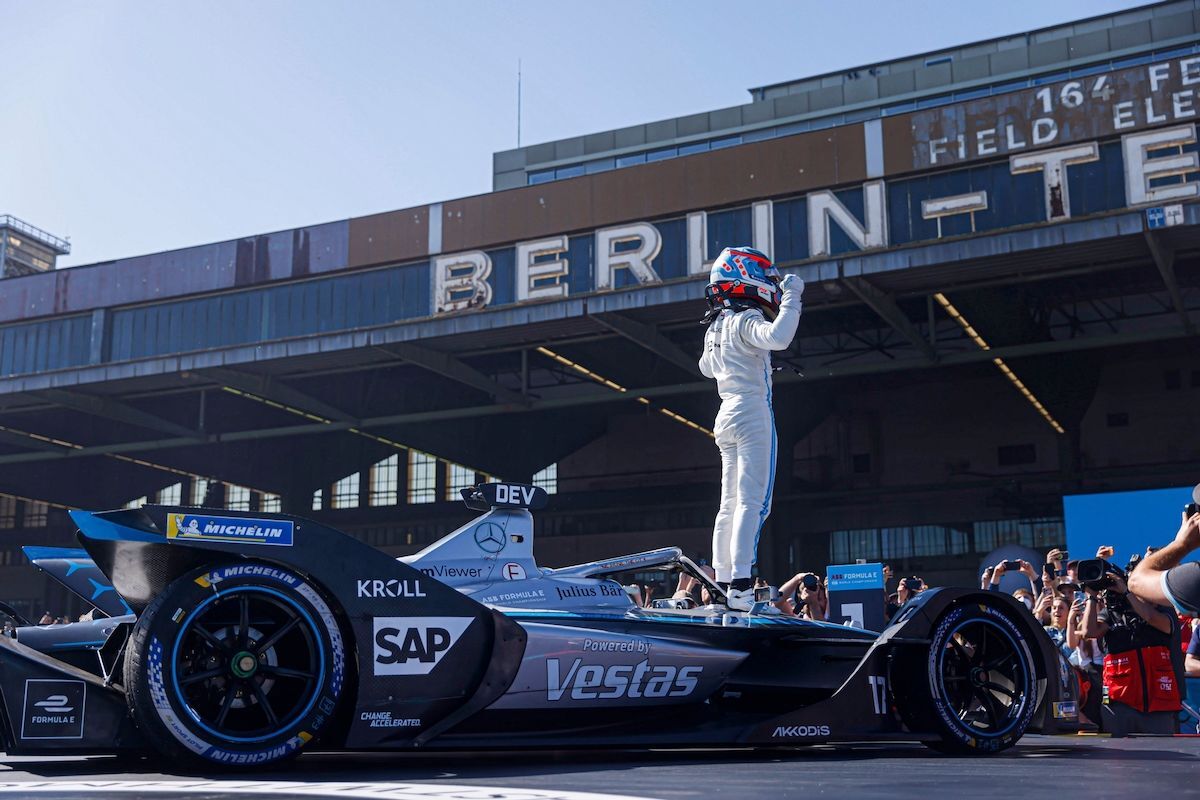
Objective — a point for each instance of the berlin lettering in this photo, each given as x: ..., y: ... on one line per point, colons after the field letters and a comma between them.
x: 464, y: 280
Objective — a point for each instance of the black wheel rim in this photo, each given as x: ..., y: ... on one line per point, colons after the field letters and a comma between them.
x: 982, y: 675
x: 248, y: 664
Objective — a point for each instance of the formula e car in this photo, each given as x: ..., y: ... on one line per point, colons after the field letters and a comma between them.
x: 240, y: 639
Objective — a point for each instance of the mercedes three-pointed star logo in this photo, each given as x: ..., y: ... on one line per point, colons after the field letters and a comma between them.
x: 490, y: 537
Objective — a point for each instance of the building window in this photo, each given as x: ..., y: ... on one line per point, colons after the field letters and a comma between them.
x: 35, y: 514
x: 422, y: 477
x: 171, y: 495
x: 385, y: 482
x: 8, y: 511
x: 270, y: 502
x: 1036, y: 533
x: 847, y: 546
x: 137, y: 502
x: 345, y: 492
x: 199, y: 490
x: 547, y: 479
x: 317, y: 503
x: 237, y: 498
x: 458, y: 477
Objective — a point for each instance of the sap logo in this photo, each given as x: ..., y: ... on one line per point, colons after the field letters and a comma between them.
x: 800, y: 731
x: 414, y: 645
x: 514, y: 495
x: 390, y: 588
x: 596, y: 682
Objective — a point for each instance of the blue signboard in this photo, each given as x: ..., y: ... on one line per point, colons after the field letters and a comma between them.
x: 856, y: 595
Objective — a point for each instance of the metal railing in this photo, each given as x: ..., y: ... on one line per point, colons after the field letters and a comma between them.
x: 60, y: 245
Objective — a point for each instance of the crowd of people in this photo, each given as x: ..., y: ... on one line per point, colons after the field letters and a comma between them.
x: 1132, y: 655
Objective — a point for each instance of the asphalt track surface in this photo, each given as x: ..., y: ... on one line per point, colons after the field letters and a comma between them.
x: 1039, y: 766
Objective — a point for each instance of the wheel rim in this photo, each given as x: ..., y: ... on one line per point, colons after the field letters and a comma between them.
x: 983, y: 677
x: 247, y: 664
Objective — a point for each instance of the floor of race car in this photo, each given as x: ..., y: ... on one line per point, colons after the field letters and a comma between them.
x: 1095, y: 767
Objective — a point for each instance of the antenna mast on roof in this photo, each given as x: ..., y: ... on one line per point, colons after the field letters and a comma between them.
x: 518, y: 102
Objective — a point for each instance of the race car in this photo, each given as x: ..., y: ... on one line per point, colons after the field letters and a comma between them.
x: 229, y: 638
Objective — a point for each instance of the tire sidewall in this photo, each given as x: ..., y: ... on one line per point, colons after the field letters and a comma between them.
x: 160, y: 711
x: 954, y: 732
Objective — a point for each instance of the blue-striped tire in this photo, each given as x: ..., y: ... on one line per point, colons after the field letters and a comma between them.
x: 240, y: 665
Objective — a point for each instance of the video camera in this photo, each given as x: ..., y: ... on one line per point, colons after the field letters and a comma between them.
x: 1092, y: 573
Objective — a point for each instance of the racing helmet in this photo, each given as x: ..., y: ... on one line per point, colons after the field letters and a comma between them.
x: 741, y: 278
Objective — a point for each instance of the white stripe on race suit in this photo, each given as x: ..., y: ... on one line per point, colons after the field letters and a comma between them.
x: 376, y: 791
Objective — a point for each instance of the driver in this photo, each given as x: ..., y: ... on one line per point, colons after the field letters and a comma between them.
x: 747, y: 319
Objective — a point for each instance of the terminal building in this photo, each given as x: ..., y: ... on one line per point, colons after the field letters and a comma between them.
x: 1000, y: 242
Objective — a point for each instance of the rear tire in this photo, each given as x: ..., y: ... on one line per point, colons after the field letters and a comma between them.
x: 236, y: 666
x: 976, y: 686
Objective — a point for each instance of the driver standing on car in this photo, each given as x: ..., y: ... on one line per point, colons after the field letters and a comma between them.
x: 747, y: 319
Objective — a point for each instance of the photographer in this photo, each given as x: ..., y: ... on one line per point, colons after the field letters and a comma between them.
x: 804, y: 596
x: 1160, y: 578
x: 1141, y: 687
x: 907, y: 589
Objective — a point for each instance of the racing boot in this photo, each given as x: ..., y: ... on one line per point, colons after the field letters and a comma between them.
x: 740, y: 596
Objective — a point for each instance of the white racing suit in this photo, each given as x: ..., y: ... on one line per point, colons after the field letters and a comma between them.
x: 737, y: 352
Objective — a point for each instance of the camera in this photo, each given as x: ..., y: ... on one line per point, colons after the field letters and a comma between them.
x: 1092, y: 573
x: 1012, y: 566
x: 811, y: 582
x: 912, y: 584
x: 766, y: 594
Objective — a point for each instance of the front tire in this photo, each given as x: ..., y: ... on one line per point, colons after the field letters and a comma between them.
x: 240, y: 665
x: 976, y: 687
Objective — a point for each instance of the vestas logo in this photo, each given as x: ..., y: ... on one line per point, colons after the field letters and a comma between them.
x: 415, y: 645
x: 596, y: 682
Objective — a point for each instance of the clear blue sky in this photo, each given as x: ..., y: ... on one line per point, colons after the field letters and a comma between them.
x: 135, y: 127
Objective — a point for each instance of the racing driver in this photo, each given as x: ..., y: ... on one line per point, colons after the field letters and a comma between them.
x: 747, y: 319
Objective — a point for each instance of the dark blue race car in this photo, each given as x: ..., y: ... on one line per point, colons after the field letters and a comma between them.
x: 228, y: 638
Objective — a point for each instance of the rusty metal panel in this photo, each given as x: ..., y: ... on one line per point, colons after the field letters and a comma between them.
x: 710, y: 180
x: 1081, y: 109
x: 388, y: 237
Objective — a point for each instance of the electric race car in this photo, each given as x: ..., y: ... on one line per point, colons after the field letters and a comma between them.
x: 227, y: 638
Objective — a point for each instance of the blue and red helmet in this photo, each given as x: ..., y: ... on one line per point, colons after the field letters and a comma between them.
x: 743, y: 277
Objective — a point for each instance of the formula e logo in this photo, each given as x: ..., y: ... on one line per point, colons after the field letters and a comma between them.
x: 53, y: 709
x: 800, y: 731
x: 490, y: 537
x: 596, y: 682
x: 55, y: 704
x: 415, y: 645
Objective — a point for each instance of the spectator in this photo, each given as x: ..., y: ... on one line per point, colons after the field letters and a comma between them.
x: 1139, y: 678
x: 907, y: 589
x: 804, y: 595
x: 1160, y: 578
x: 1057, y: 629
x: 1043, y: 608
x: 46, y: 619
x: 1027, y: 570
x: 1025, y: 597
x: 1191, y: 661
